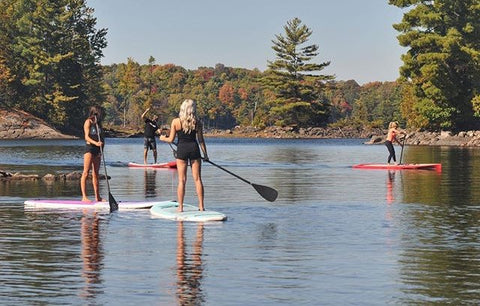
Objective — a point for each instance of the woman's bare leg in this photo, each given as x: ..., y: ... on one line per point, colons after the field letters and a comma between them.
x: 87, y: 163
x: 96, y: 168
x: 197, y: 177
x: 182, y: 181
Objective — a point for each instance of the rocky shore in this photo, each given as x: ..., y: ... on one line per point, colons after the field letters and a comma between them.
x: 443, y: 138
x: 17, y: 124
x: 373, y: 136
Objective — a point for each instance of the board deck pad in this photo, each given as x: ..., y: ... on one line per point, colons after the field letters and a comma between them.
x: 437, y: 167
x: 168, y: 210
x: 78, y: 204
x: 172, y: 164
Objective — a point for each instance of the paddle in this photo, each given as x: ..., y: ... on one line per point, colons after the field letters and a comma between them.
x: 266, y: 192
x: 401, y: 153
x: 111, y: 200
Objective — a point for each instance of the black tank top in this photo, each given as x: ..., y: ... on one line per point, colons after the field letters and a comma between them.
x: 93, y: 133
x: 187, y: 137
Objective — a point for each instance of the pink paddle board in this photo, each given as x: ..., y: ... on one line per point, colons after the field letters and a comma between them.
x: 78, y: 204
x: 172, y: 164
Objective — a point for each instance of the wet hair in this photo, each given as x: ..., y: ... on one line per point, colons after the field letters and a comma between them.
x: 95, y: 111
x: 188, y: 115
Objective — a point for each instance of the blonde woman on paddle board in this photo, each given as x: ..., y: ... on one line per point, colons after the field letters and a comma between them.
x: 393, y: 132
x: 92, y: 157
x: 189, y: 131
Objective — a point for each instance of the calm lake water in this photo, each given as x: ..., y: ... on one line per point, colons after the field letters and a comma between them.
x: 335, y: 235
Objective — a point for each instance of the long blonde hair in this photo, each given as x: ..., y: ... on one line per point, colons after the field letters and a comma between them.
x: 188, y: 115
x: 393, y: 125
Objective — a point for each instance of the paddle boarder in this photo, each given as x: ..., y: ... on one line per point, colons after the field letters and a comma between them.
x: 151, y: 128
x: 91, y: 159
x: 189, y: 131
x: 393, y: 131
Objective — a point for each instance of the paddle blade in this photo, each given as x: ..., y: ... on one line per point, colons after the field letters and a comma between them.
x: 267, y: 193
x: 113, y: 204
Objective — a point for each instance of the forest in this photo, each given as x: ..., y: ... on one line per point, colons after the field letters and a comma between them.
x: 50, y: 54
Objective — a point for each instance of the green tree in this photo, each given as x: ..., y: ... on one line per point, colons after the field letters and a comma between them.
x: 294, y: 80
x: 129, y: 87
x: 52, y: 54
x: 443, y: 61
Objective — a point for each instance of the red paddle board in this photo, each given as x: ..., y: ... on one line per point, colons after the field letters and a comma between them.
x: 437, y: 167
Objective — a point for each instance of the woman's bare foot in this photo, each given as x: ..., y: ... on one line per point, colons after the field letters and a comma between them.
x: 86, y: 200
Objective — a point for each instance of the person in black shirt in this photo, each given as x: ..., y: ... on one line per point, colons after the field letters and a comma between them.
x: 151, y: 128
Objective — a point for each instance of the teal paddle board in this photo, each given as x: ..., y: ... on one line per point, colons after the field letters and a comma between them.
x: 168, y: 210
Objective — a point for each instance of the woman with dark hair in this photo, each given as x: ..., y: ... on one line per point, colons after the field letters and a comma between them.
x: 91, y: 159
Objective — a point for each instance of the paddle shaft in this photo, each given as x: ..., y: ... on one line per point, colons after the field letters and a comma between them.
x: 229, y: 172
x: 111, y: 200
x: 266, y: 192
x: 401, y: 153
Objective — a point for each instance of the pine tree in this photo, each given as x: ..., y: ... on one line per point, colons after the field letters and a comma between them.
x: 295, y: 81
x: 54, y: 55
x: 442, y: 64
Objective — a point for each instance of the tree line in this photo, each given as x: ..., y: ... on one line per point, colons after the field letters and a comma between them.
x: 50, y: 55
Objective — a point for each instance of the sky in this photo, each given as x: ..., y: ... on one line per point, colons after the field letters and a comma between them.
x: 355, y: 36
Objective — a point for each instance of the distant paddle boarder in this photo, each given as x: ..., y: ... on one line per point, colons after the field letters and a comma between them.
x: 151, y: 128
x: 393, y: 132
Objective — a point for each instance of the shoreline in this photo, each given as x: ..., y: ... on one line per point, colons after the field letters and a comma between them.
x: 17, y: 124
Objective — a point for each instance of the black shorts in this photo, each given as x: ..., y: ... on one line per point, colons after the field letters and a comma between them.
x: 149, y: 143
x: 92, y: 149
x: 188, y: 151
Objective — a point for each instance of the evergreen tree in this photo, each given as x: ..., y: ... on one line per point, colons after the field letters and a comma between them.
x: 442, y: 64
x: 53, y: 57
x: 292, y: 80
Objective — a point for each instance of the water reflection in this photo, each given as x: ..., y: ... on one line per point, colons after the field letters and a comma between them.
x: 439, y: 263
x: 390, y: 180
x: 150, y: 183
x: 92, y: 255
x: 189, y: 268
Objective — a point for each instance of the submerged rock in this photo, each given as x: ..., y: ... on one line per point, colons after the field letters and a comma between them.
x: 72, y: 176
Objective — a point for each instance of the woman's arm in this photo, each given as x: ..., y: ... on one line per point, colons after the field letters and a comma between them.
x: 86, y: 130
x: 173, y: 132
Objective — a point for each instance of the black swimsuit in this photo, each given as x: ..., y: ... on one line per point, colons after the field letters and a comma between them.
x: 187, y: 147
x: 92, y: 133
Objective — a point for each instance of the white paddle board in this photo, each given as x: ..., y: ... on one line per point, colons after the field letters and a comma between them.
x: 78, y: 204
x: 168, y: 210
